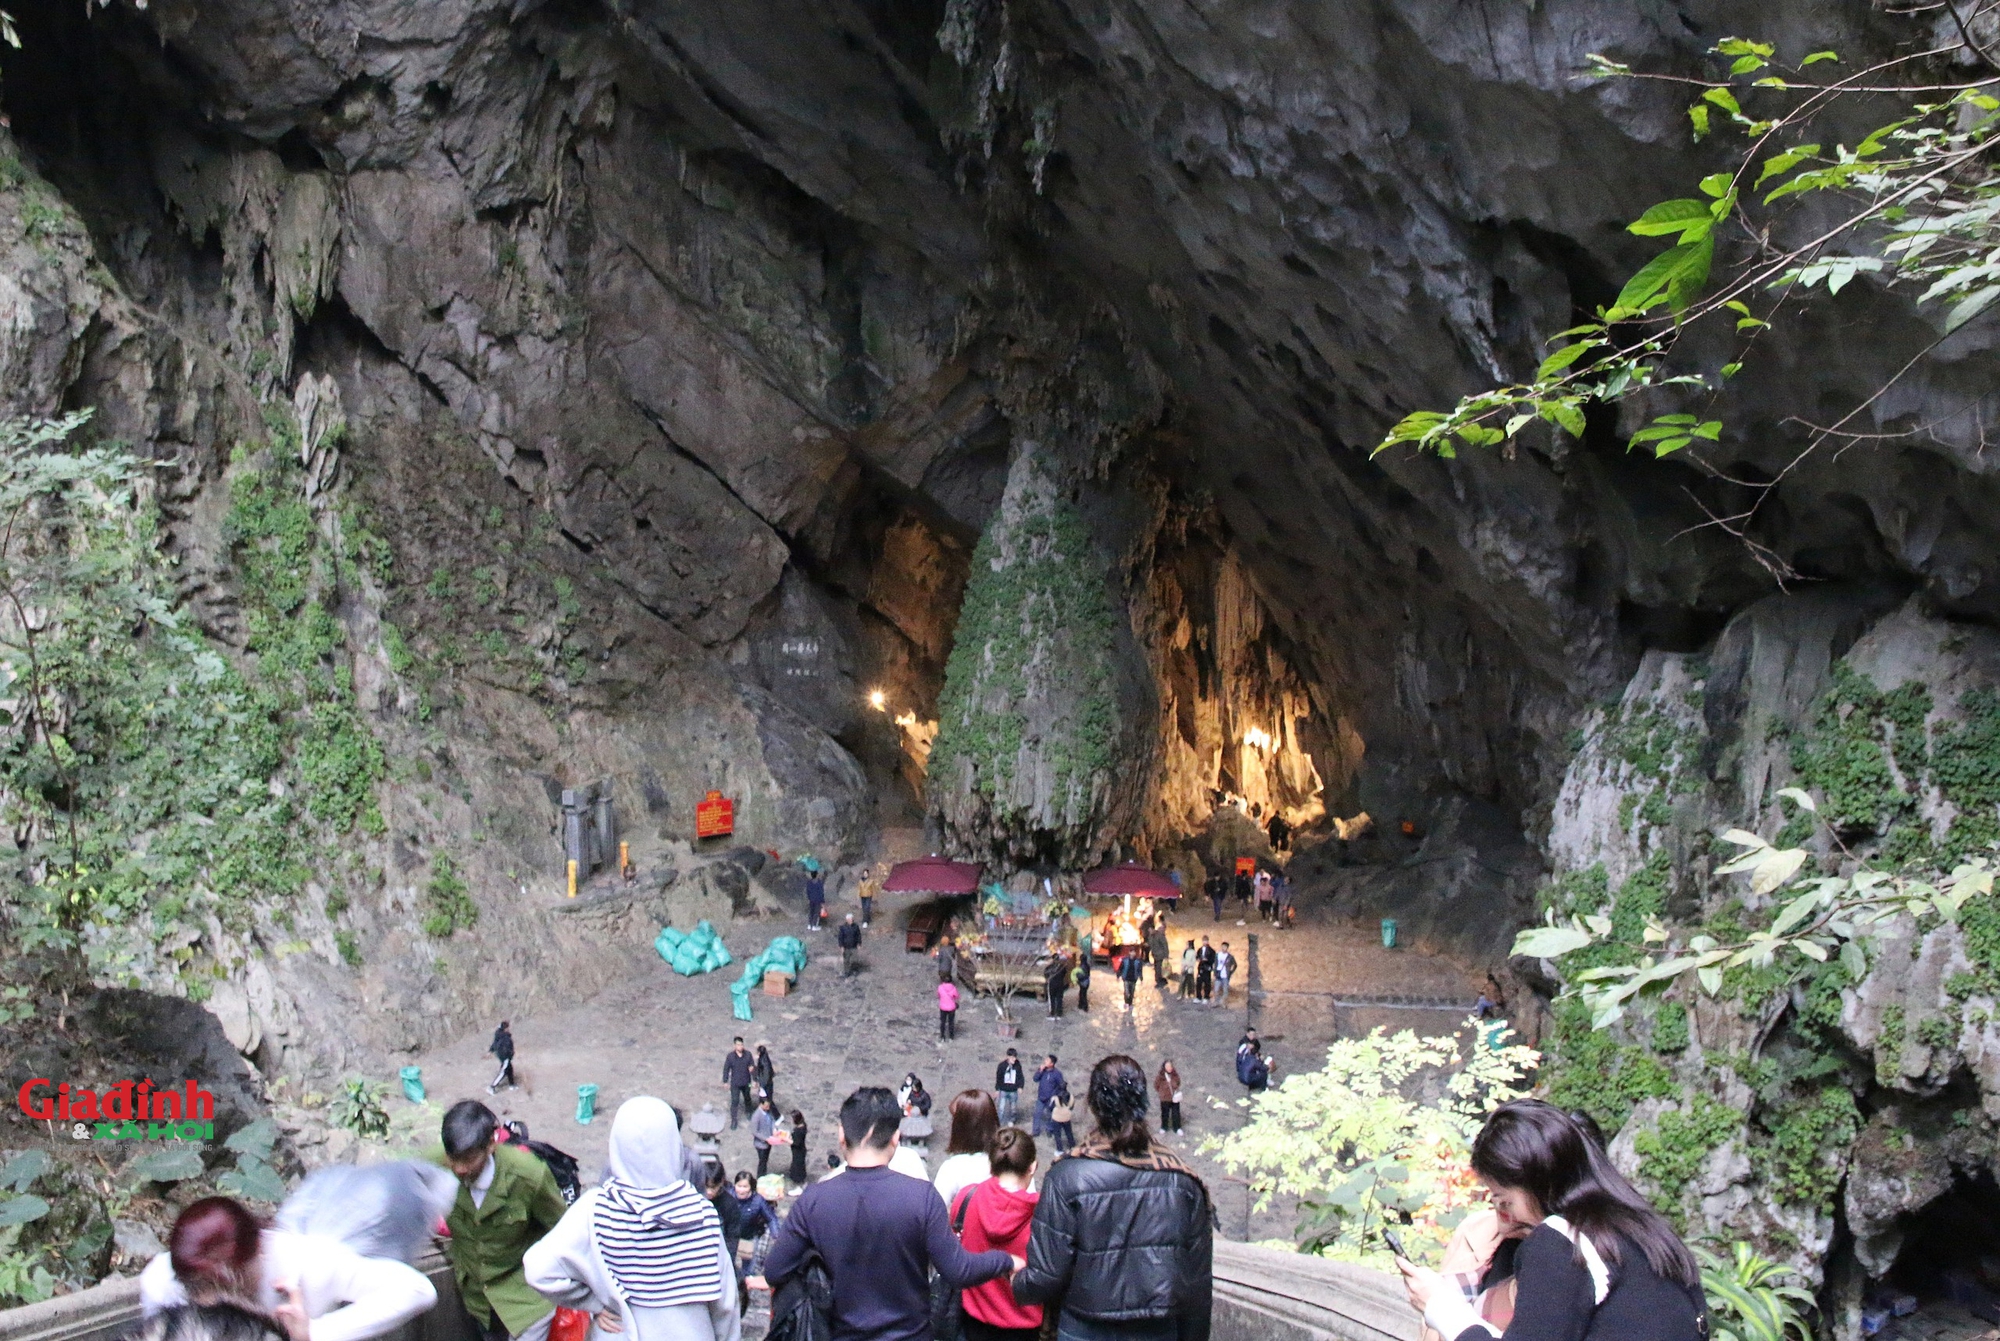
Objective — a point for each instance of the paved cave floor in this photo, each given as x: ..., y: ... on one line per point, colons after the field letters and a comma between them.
x: 664, y: 1035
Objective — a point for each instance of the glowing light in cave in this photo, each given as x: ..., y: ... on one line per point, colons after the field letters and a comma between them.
x: 1257, y: 737
x: 878, y: 700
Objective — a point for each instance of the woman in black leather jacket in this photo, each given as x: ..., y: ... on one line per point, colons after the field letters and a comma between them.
x: 1122, y: 1243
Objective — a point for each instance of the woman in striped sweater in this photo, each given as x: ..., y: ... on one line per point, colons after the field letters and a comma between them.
x: 644, y: 1252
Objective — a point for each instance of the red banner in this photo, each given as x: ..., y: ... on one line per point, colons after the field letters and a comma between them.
x: 714, y: 816
x: 1244, y: 865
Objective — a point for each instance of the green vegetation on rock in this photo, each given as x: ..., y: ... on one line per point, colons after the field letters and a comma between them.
x: 1672, y: 1151
x: 162, y: 783
x: 1028, y: 685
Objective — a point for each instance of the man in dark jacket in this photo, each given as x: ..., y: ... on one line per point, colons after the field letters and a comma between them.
x: 1007, y: 1081
x: 849, y: 937
x: 880, y: 1233
x: 1160, y: 950
x: 1123, y: 1238
x: 1049, y: 1085
x: 1056, y: 979
x: 738, y: 1073
x: 1130, y: 969
x: 502, y: 1047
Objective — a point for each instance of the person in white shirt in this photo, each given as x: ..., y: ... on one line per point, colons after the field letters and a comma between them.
x: 974, y: 1122
x: 643, y: 1253
x: 316, y: 1287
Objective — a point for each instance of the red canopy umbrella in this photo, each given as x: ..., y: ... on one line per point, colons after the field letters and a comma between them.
x: 932, y: 875
x: 1131, y: 878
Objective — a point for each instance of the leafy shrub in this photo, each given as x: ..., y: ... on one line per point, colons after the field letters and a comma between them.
x: 1357, y: 1151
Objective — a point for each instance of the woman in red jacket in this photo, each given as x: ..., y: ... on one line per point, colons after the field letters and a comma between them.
x: 998, y: 1214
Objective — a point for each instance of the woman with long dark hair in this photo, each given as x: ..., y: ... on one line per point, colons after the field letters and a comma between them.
x: 1123, y: 1235
x: 796, y: 1175
x: 1598, y: 1262
x: 974, y: 1121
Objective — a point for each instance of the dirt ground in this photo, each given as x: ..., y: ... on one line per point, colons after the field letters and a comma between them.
x: 665, y: 1035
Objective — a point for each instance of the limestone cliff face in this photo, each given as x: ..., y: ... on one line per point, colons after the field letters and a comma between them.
x: 1797, y: 1102
x: 684, y: 350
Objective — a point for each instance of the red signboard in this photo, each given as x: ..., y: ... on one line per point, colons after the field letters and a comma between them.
x: 1244, y: 865
x: 714, y: 816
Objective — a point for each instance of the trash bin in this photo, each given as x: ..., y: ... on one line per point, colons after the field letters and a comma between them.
x: 586, y: 1104
x: 413, y: 1083
x: 1388, y: 933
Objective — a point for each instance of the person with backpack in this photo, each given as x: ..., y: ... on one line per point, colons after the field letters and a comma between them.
x: 1225, y: 969
x: 507, y: 1200
x: 502, y: 1047
x: 877, y: 1234
x: 1131, y: 969
x: 1204, y: 971
x: 1122, y: 1242
x: 998, y: 1212
x: 644, y: 1252
x: 1082, y: 977
x: 1055, y: 978
x: 1598, y: 1261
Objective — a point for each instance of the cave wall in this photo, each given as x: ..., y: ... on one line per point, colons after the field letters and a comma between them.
x: 692, y: 345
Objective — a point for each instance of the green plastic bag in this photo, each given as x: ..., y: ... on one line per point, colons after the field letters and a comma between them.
x: 586, y: 1104
x: 413, y: 1083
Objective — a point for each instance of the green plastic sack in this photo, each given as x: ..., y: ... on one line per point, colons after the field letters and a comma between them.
x: 687, y: 960
x: 786, y: 953
x: 413, y: 1083
x: 586, y: 1104
x: 668, y: 941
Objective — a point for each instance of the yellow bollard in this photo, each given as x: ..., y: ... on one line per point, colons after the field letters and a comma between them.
x: 572, y: 880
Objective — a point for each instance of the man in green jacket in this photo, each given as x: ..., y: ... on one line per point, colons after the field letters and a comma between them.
x: 507, y: 1199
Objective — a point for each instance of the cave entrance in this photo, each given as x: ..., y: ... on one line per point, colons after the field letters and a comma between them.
x: 1949, y: 1266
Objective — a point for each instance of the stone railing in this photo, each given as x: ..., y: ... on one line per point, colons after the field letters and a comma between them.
x: 1260, y: 1295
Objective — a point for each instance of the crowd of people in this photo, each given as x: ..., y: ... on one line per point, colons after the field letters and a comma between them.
x: 1113, y: 1242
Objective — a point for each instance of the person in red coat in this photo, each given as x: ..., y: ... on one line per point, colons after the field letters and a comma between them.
x: 998, y: 1213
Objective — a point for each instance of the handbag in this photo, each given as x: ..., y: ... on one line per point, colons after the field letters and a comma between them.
x: 569, y: 1324
x: 948, y: 1304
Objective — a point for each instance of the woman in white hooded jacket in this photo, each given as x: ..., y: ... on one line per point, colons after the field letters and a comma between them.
x: 643, y: 1253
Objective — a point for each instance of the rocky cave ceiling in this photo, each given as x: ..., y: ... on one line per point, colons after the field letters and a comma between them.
x: 757, y: 301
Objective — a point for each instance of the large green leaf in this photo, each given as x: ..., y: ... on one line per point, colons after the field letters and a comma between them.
x: 1676, y: 275
x: 20, y: 1210
x: 23, y: 1169
x: 254, y: 1180
x: 1674, y: 216
x: 1549, y: 942
x: 254, y: 1140
x: 171, y: 1165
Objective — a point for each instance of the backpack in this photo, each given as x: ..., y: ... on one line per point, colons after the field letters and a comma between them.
x: 561, y: 1163
x: 802, y: 1307
x: 1248, y: 1064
